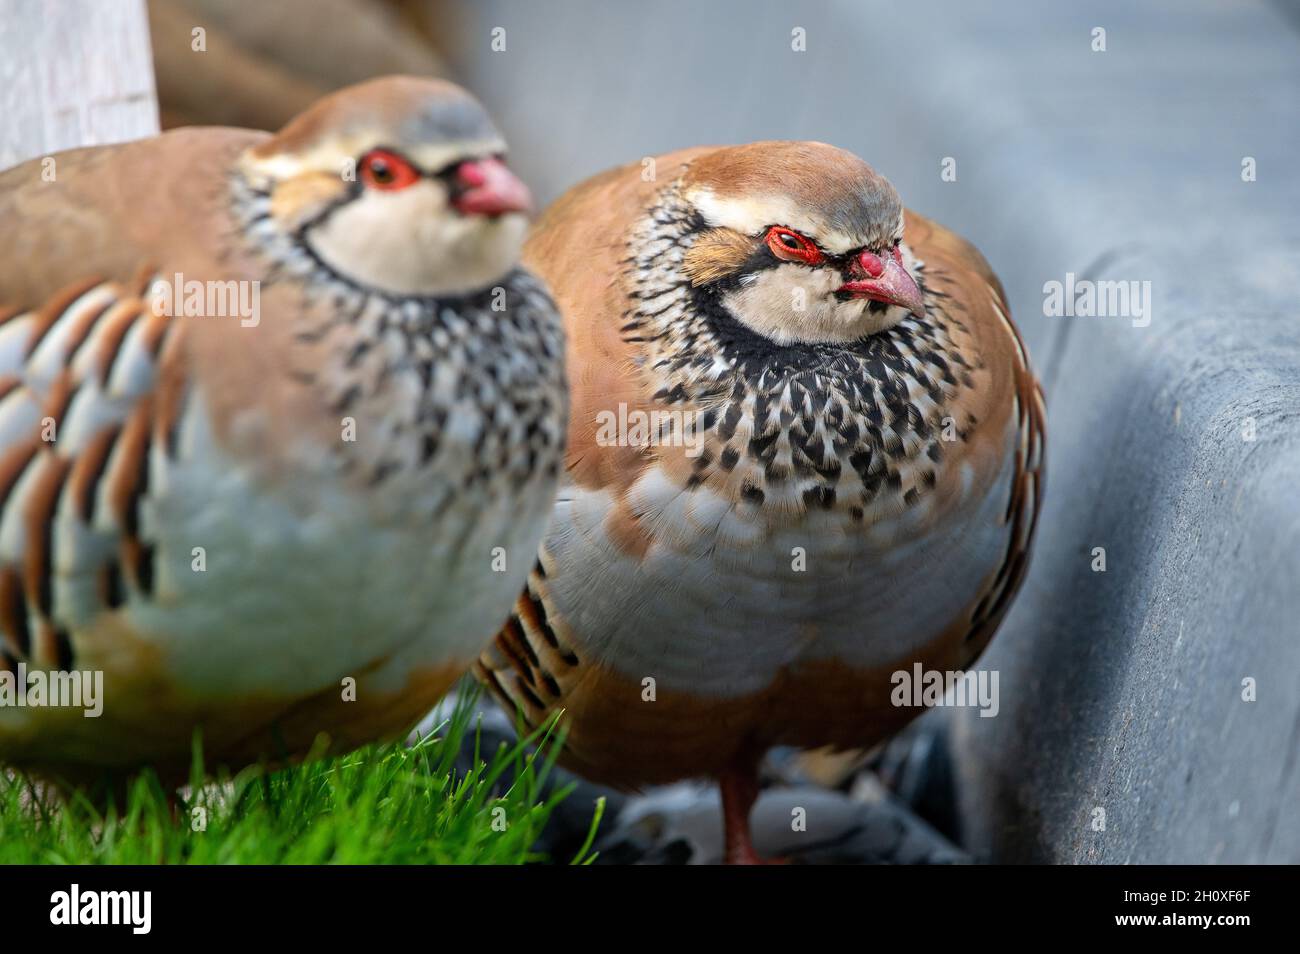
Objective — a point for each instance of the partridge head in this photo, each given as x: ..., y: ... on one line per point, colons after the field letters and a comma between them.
x: 280, y: 422
x: 396, y: 188
x: 805, y: 453
x: 801, y: 243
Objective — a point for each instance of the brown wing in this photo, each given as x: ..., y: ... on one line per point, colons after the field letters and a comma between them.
x: 80, y: 418
x: 972, y: 293
x: 91, y: 379
x: 1022, y: 508
x: 529, y: 667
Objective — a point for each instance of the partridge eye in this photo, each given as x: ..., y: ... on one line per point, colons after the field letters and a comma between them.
x: 789, y: 245
x: 381, y: 169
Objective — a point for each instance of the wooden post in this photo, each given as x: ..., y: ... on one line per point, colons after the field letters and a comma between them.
x: 73, y: 73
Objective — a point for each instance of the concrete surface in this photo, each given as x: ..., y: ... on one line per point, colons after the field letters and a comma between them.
x: 1121, y: 690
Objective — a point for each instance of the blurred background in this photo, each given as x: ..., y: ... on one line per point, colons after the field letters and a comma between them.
x: 1150, y: 711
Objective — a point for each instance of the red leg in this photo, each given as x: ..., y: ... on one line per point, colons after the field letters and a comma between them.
x: 739, y: 785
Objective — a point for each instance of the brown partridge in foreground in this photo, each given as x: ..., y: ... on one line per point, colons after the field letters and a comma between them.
x: 805, y: 453
x: 280, y: 423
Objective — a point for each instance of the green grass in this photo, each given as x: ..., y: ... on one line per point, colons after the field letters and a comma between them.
x: 385, y: 804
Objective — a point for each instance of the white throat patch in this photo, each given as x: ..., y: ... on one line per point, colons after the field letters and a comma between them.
x: 412, y: 243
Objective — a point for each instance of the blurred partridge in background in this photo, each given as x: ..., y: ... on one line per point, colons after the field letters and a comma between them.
x: 338, y: 474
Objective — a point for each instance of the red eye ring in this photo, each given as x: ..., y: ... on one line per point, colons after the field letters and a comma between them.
x: 387, y: 171
x: 789, y: 246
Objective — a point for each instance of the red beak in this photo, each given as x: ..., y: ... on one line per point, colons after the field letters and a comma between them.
x: 888, y: 281
x: 489, y: 188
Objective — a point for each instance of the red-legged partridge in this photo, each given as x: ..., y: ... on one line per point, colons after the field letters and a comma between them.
x: 280, y: 423
x: 842, y: 478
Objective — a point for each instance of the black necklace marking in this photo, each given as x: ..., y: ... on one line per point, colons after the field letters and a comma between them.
x: 877, y: 408
x: 494, y: 356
